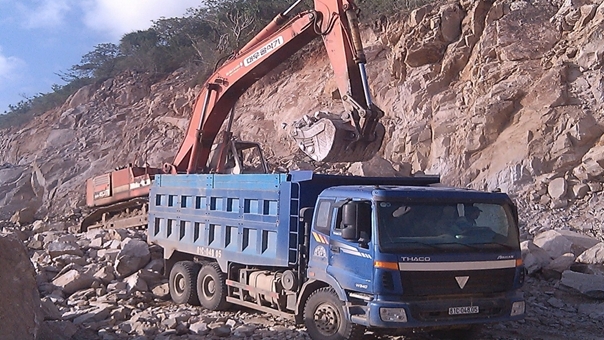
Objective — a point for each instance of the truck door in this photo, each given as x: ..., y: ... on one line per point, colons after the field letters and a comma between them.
x: 350, y: 261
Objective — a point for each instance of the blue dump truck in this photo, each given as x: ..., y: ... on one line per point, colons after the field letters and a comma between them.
x: 341, y: 254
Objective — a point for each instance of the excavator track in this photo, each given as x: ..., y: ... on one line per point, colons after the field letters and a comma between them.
x: 127, y: 214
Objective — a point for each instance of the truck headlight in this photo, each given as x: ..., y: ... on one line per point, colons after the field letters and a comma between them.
x: 517, y: 308
x: 393, y: 314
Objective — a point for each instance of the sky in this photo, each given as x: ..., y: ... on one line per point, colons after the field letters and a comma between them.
x: 42, y: 38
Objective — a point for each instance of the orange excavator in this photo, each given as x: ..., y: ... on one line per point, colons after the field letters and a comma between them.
x: 119, y: 197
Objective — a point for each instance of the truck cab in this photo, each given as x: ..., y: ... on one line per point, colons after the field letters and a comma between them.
x: 418, y: 256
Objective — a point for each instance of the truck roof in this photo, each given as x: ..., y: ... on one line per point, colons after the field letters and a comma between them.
x: 303, y: 176
x: 424, y: 193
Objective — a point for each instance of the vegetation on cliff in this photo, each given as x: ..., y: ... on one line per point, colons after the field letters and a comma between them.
x: 202, y: 38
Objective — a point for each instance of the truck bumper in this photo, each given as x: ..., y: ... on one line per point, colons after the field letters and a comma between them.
x: 441, y: 312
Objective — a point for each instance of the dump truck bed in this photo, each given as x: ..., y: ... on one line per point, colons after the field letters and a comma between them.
x: 250, y: 219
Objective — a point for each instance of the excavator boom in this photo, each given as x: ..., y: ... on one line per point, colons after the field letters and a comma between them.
x: 119, y: 197
x: 356, y: 135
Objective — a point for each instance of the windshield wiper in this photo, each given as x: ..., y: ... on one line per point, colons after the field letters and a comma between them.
x: 397, y: 245
x: 464, y: 244
x: 507, y: 246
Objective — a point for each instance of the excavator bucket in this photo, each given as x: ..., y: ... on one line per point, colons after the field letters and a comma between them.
x: 331, y: 139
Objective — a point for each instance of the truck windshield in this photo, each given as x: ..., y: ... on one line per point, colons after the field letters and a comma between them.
x: 446, y: 227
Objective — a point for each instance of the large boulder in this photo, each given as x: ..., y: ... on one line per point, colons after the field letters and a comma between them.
x: 554, y: 243
x: 589, y: 285
x: 133, y: 256
x: 73, y: 281
x: 534, y: 257
x: 20, y: 313
x: 593, y: 255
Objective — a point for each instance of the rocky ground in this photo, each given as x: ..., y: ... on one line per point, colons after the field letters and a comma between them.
x: 107, y: 284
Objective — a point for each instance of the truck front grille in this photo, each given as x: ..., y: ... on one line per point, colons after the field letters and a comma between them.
x: 417, y: 284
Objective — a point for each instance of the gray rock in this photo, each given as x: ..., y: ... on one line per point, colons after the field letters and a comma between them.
x: 200, y: 328
x: 58, y: 248
x: 589, y: 285
x: 155, y: 265
x: 222, y: 331
x: 69, y: 238
x: 377, y: 166
x: 579, y: 190
x: 593, y: 255
x: 20, y: 314
x: 105, y: 274
x: 117, y: 286
x: 97, y: 313
x: 161, y: 291
x: 68, y: 259
x: 57, y: 330
x: 133, y: 256
x: 73, y: 280
x: 108, y: 254
x: 534, y: 257
x: 557, y: 303
x: 39, y: 226
x: 96, y: 243
x: 595, y: 186
x: 170, y: 323
x: 580, y: 242
x: 36, y: 245
x: 244, y: 331
x: 50, y: 310
x: 23, y: 216
x: 556, y: 267
x: 557, y: 188
x: 554, y: 243
x: 136, y: 283
x: 593, y: 310
x: 120, y: 313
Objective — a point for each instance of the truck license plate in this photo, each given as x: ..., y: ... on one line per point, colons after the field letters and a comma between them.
x: 463, y: 310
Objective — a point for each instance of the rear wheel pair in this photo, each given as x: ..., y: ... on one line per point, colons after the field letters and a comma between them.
x: 195, y: 284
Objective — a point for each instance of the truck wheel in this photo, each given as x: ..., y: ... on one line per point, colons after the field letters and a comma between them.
x: 211, y: 287
x: 182, y: 282
x: 324, y: 317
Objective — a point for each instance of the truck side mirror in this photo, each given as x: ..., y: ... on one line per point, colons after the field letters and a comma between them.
x: 349, y: 221
x: 356, y: 217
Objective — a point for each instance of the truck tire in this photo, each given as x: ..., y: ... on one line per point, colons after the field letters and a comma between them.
x: 182, y: 282
x: 211, y: 287
x: 325, y: 319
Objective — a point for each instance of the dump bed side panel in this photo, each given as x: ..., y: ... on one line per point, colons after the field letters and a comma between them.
x: 249, y: 219
x: 234, y: 218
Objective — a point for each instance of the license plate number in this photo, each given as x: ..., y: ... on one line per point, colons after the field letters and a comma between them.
x: 463, y: 310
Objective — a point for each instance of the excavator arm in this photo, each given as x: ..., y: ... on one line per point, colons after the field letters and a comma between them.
x: 119, y: 197
x: 355, y: 135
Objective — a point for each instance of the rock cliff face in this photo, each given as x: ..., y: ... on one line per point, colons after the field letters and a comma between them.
x: 488, y: 93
